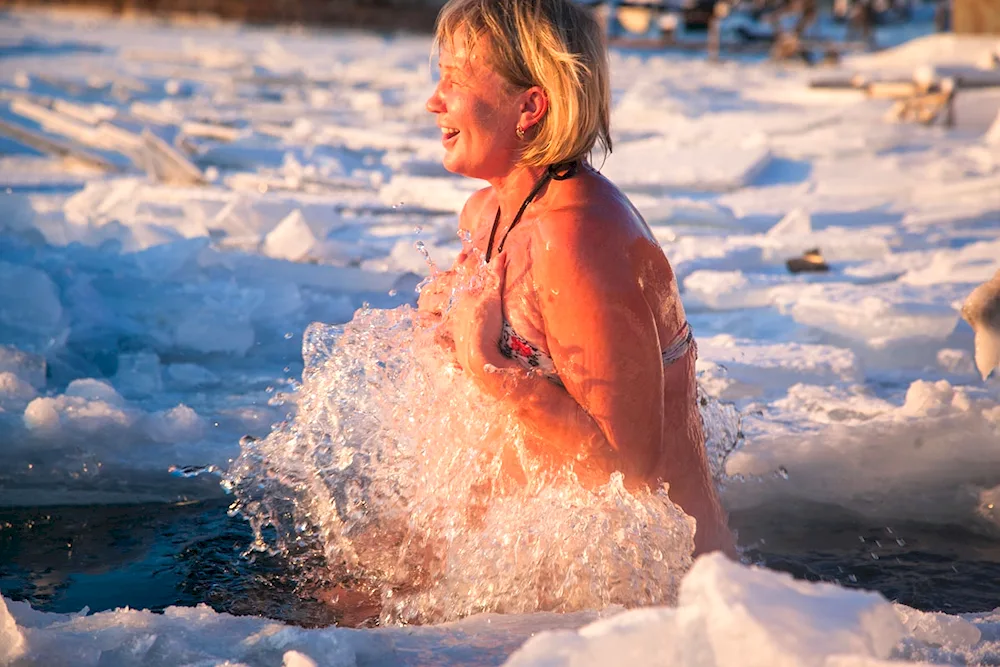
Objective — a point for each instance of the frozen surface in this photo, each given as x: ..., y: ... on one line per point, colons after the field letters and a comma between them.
x: 727, y: 614
x: 154, y: 293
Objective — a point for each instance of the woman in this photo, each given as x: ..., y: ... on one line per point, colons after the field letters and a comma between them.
x: 577, y: 287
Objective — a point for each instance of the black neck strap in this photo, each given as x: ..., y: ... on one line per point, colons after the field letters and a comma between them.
x: 556, y: 172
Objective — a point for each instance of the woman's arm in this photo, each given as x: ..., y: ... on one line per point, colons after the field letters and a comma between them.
x: 602, y: 334
x: 548, y: 413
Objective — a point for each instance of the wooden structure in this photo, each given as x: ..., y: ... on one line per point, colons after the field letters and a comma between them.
x: 411, y: 15
x: 975, y: 17
x: 927, y: 97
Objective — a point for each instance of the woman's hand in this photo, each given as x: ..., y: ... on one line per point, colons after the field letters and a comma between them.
x: 476, y: 321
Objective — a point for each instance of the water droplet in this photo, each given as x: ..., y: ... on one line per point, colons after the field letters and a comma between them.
x: 874, y: 556
x: 783, y: 472
x: 900, y: 541
x: 288, y: 335
x: 393, y: 292
x: 418, y: 229
x: 269, y: 390
x: 10, y: 191
x: 852, y: 578
x: 878, y: 544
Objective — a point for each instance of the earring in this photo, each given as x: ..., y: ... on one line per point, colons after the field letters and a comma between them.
x: 519, y: 131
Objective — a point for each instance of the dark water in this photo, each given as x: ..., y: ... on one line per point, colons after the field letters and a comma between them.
x: 61, y: 559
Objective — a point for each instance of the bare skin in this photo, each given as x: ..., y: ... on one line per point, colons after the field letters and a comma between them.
x: 583, y: 279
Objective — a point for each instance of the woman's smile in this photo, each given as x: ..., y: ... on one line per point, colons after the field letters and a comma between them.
x: 449, y: 136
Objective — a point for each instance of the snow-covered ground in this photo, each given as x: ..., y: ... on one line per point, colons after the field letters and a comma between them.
x: 145, y: 326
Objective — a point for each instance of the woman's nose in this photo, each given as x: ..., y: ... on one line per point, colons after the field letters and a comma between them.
x: 434, y: 104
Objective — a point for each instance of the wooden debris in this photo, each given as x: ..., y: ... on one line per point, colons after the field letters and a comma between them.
x: 891, y: 90
x: 927, y: 107
x: 811, y: 261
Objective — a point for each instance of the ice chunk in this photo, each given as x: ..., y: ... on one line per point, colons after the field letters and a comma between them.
x: 973, y: 263
x: 733, y: 369
x: 731, y: 614
x: 836, y: 244
x: 95, y: 390
x: 723, y: 290
x: 950, y: 632
x: 17, y: 215
x: 175, y: 260
x: 244, y: 221
x: 178, y: 424
x: 31, y: 314
x: 14, y: 392
x: 796, y: 222
x: 873, y: 315
x: 659, y: 165
x: 845, y: 447
x: 210, y: 331
x: 88, y: 407
x: 139, y: 374
x: 26, y: 366
x: 42, y: 415
x: 190, y: 376
x: 928, y: 399
x: 296, y: 659
x: 12, y: 644
x: 291, y: 239
x: 959, y: 362
x: 407, y: 193
x: 992, y: 136
x: 682, y: 211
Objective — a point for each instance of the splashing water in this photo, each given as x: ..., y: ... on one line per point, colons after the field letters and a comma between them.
x: 398, y: 471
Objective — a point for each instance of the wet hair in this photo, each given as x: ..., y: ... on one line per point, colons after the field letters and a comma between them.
x: 556, y: 45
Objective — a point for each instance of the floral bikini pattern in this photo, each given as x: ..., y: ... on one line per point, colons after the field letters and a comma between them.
x: 514, y: 346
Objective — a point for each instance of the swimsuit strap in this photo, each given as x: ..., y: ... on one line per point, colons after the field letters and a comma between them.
x: 557, y: 172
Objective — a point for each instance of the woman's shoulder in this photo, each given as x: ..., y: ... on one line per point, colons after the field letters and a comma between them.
x: 592, y: 215
x: 475, y: 206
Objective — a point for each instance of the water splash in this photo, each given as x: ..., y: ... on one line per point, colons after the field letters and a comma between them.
x: 418, y: 489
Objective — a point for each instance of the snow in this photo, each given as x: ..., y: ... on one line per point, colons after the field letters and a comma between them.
x: 146, y: 324
x: 727, y: 614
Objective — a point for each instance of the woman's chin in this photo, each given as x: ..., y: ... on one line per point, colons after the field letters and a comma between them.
x: 456, y: 165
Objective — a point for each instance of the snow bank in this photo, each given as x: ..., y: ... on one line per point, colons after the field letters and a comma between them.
x: 730, y: 614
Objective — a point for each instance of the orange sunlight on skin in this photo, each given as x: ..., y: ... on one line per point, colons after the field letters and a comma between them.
x: 583, y: 279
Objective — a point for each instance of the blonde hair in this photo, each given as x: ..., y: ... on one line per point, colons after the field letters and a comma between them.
x: 554, y: 44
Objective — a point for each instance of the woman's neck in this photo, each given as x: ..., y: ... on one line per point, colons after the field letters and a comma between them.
x: 512, y: 188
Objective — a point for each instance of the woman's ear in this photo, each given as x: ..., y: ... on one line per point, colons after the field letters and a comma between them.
x: 534, y: 106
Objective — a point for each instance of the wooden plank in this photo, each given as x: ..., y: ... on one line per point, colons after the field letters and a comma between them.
x: 976, y: 17
x: 891, y: 90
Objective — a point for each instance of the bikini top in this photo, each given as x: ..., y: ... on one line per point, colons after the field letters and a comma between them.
x: 514, y: 346
x: 556, y: 172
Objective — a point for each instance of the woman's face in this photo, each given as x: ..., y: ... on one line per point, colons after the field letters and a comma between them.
x: 476, y: 111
